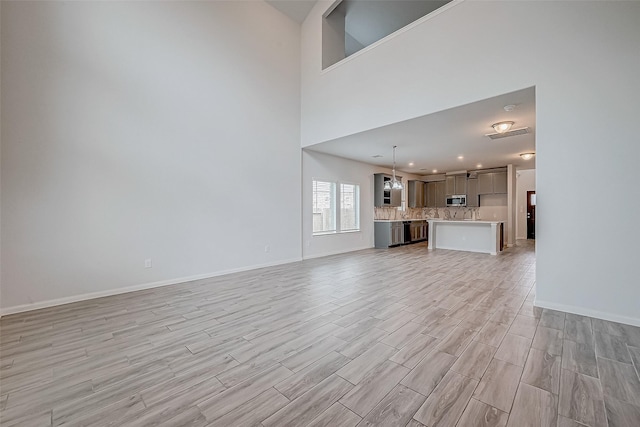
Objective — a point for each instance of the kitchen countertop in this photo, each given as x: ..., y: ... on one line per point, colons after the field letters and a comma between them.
x: 472, y: 221
x: 464, y: 221
x: 398, y: 220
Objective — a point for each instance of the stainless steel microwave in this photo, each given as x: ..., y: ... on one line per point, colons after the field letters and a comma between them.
x: 460, y: 200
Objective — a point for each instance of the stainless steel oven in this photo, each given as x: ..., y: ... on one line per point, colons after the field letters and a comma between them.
x: 460, y: 200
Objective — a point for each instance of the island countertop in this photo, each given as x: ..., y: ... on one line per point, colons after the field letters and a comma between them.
x: 398, y: 220
x: 465, y: 235
x: 466, y: 221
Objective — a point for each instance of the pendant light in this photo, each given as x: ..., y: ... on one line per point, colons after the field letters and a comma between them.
x: 394, y: 184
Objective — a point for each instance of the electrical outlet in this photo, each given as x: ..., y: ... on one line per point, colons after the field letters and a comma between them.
x: 148, y: 263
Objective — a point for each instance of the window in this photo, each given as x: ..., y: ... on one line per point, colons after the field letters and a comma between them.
x: 324, y: 207
x: 351, y: 25
x: 349, y: 207
x: 330, y: 198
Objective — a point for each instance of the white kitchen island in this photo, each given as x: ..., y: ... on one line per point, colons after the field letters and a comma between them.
x: 465, y: 235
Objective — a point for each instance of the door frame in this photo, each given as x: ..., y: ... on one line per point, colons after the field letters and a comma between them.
x: 529, y: 205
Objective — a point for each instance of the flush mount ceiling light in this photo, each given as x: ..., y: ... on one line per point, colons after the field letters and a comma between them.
x: 394, y: 184
x: 502, y: 127
x: 527, y: 156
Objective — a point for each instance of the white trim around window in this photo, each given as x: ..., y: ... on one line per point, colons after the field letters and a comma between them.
x: 336, y: 207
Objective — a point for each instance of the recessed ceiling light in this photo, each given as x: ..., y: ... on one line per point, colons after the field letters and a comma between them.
x: 435, y: 171
x: 410, y: 163
x: 460, y: 157
x: 478, y: 165
x: 527, y: 156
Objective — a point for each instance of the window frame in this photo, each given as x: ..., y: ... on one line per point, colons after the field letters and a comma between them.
x: 356, y: 206
x: 337, y: 206
x: 333, y: 204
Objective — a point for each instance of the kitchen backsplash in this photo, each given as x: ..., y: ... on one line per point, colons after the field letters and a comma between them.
x: 426, y: 213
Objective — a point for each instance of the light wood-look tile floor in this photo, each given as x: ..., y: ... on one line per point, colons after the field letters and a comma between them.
x: 399, y: 337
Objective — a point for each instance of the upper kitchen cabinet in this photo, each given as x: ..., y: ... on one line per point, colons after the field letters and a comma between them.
x: 492, y: 183
x: 472, y: 193
x: 382, y: 197
x: 417, y: 194
x: 456, y: 185
x: 436, y: 194
x: 500, y: 182
x: 431, y: 194
x: 485, y: 183
x: 441, y: 195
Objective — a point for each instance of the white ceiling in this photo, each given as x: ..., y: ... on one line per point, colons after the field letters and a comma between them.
x: 436, y: 140
x: 294, y: 9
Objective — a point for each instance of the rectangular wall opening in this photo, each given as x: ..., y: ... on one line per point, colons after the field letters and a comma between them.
x: 353, y: 25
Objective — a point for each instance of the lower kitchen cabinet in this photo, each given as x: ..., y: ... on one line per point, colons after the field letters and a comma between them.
x: 394, y: 233
x: 419, y: 231
x: 388, y: 234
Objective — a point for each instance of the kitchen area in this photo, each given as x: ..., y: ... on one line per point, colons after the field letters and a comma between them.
x: 446, y: 210
x: 465, y: 178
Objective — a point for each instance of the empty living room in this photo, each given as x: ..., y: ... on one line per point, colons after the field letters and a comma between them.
x: 267, y: 213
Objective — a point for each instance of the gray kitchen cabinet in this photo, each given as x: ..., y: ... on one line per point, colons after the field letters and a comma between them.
x: 450, y: 185
x: 417, y: 194
x: 419, y: 231
x: 397, y: 233
x: 382, y: 197
x: 461, y: 184
x: 431, y: 194
x: 472, y: 193
x: 485, y: 183
x: 441, y: 195
x: 492, y: 183
x: 388, y: 234
x: 456, y: 185
x: 500, y: 182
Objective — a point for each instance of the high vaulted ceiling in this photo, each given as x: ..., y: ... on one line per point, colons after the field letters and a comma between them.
x: 435, y: 141
x: 294, y: 9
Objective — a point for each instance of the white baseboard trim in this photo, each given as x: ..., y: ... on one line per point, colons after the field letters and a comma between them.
x: 588, y: 312
x: 92, y: 295
x: 338, y: 252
